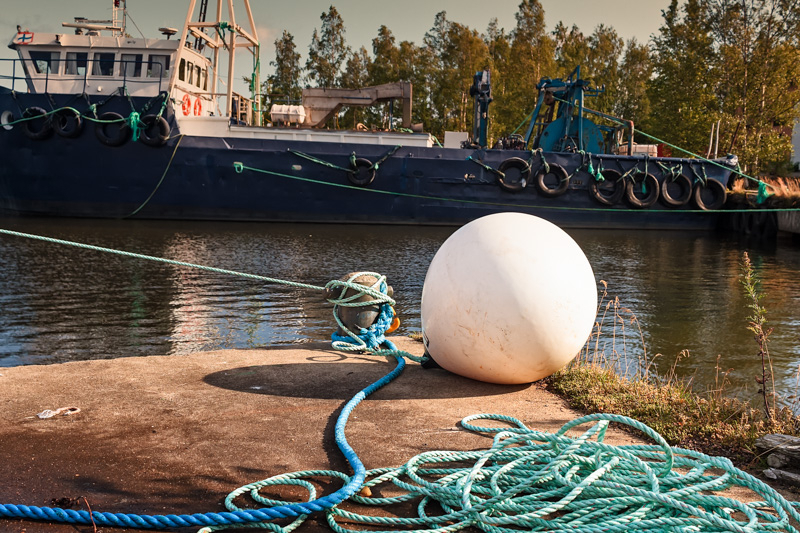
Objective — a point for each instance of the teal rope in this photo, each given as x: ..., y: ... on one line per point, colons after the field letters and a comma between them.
x: 160, y: 259
x: 531, y: 480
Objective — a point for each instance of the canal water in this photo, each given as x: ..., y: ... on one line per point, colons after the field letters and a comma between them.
x: 677, y: 292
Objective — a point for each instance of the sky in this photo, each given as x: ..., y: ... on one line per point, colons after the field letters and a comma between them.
x: 407, y: 19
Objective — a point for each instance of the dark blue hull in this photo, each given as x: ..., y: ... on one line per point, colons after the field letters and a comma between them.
x: 195, y: 178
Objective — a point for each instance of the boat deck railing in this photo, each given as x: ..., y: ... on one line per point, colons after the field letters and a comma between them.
x: 26, y: 78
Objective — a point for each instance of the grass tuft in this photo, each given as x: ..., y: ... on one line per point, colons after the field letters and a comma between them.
x: 710, y: 421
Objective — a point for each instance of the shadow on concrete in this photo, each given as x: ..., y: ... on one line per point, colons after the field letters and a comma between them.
x: 341, y: 379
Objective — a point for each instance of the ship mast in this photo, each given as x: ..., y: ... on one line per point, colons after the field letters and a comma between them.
x: 229, y: 36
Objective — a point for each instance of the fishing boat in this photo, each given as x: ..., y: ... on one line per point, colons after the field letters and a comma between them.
x: 96, y: 123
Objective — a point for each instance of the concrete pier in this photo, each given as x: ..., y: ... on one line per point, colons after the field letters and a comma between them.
x: 174, y: 435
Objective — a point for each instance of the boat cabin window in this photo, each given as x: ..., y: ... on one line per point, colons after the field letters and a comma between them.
x: 197, y: 80
x: 189, y: 72
x: 182, y: 70
x: 76, y: 63
x: 103, y: 64
x: 158, y: 66
x: 45, y: 62
x: 205, y: 79
x: 131, y: 66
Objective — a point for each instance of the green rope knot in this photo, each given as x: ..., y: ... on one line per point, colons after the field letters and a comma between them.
x: 238, y: 167
x: 135, y: 124
x: 763, y: 193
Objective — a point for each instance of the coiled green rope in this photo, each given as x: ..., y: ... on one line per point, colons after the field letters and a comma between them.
x: 531, y: 480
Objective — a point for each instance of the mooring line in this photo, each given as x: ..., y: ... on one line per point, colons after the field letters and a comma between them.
x: 161, y: 260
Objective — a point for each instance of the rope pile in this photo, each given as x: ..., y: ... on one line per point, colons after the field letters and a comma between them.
x: 531, y: 480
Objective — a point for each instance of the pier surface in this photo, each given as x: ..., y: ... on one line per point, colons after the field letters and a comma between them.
x: 174, y: 435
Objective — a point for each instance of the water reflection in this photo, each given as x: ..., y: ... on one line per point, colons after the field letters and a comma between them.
x: 59, y: 303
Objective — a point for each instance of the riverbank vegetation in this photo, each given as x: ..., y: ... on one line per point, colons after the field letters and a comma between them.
x: 712, y: 421
x: 722, y: 64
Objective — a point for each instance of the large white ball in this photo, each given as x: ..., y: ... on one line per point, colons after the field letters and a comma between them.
x: 508, y: 298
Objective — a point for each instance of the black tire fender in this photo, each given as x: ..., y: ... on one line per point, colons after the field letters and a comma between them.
x: 113, y: 130
x: 514, y: 167
x: 560, y: 174
x: 67, y: 123
x: 685, y: 185
x: 37, y: 128
x: 363, y: 174
x: 718, y: 195
x: 155, y: 130
x: 613, y: 182
x: 649, y: 184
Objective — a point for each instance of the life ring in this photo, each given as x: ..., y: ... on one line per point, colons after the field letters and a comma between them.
x: 649, y: 190
x: 560, y: 174
x: 684, y: 194
x: 155, y: 131
x: 198, y: 107
x: 67, y: 123
x: 111, y: 129
x: 186, y: 105
x: 363, y: 174
x: 6, y: 118
x: 610, y: 190
x: 717, y: 192
x: 515, y: 174
x: 39, y: 126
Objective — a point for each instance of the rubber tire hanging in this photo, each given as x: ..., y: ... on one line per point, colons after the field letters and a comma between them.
x: 685, y: 185
x: 363, y: 174
x: 114, y: 133
x: 560, y: 174
x: 67, y: 123
x: 516, y: 173
x: 155, y: 131
x: 649, y: 183
x: 44, y: 128
x: 597, y: 188
x: 720, y: 195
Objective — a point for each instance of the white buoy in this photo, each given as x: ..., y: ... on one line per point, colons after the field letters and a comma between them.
x: 508, y: 298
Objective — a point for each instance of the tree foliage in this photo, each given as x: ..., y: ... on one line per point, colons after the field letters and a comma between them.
x: 328, y: 50
x: 285, y: 81
x: 732, y: 63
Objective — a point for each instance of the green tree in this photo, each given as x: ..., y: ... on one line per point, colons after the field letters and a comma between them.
x: 602, y: 67
x: 498, y: 44
x: 682, y: 90
x: 384, y: 67
x: 632, y: 102
x: 759, y: 77
x: 355, y: 76
x: 285, y: 82
x: 532, y: 56
x: 571, y: 48
x: 328, y: 50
